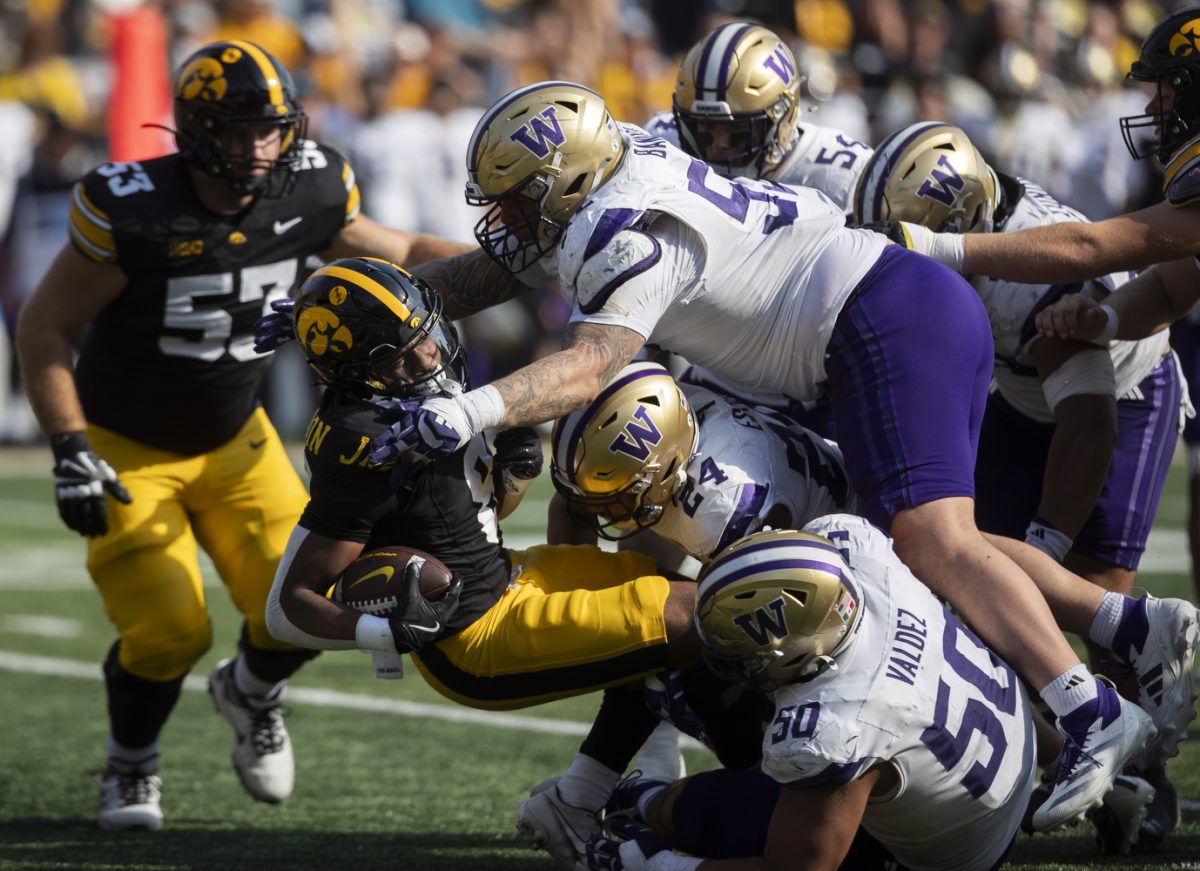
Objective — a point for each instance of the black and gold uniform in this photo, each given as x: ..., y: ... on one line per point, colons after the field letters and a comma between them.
x: 532, y: 625
x: 169, y: 381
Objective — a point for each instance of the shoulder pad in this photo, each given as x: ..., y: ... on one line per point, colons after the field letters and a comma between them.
x: 1184, y: 188
x: 625, y: 255
x: 317, y: 156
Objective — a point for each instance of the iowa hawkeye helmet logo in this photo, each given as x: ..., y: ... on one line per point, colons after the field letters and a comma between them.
x: 321, y: 332
x: 204, y: 79
x: 1183, y: 44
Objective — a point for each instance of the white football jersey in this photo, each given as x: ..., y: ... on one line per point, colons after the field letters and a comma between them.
x: 748, y: 464
x: 1011, y: 307
x: 824, y: 158
x: 916, y: 691
x: 768, y: 267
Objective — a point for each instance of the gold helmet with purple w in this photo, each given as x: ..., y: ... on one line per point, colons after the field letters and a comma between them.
x: 534, y: 157
x: 776, y: 608
x: 619, y: 460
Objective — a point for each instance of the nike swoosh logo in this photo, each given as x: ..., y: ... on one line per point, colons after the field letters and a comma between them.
x: 430, y: 629
x: 255, y: 445
x: 282, y: 227
x: 386, y: 571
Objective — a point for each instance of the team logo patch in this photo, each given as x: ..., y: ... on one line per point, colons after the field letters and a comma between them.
x: 337, y: 296
x: 1183, y: 44
x: 635, y: 439
x: 204, y: 79
x: 237, y: 237
x: 540, y: 133
x: 766, y: 623
x: 231, y: 55
x: 321, y: 332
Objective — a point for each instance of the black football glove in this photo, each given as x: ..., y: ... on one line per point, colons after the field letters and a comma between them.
x: 418, y: 621
x: 891, y: 229
x: 519, y: 452
x: 80, y: 481
x: 275, y: 329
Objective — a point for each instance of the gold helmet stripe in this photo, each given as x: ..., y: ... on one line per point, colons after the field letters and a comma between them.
x: 270, y: 74
x: 370, y: 285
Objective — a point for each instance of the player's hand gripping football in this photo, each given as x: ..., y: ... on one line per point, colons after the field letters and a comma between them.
x: 80, y: 481
x: 418, y: 621
x: 275, y: 329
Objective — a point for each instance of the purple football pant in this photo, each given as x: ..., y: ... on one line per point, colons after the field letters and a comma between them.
x: 1012, y: 463
x: 909, y: 364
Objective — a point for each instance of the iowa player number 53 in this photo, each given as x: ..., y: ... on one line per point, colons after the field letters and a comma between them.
x: 200, y: 310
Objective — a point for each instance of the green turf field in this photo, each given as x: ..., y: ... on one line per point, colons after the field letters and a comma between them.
x: 388, y: 774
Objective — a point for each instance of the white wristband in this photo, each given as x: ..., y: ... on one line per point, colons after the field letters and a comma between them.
x: 483, y: 408
x: 1048, y: 540
x: 1110, y: 327
x: 374, y: 633
x: 946, y: 248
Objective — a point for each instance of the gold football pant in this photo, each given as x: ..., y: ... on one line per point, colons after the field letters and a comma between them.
x: 239, y: 502
x: 574, y: 619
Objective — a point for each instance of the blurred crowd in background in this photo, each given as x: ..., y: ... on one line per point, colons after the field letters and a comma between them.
x: 399, y: 84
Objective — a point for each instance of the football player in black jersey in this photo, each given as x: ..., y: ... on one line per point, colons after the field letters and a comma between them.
x: 520, y: 627
x: 158, y: 437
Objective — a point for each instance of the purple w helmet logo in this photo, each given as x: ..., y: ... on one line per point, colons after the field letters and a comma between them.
x: 538, y: 135
x: 942, y: 186
x: 635, y: 439
x: 779, y: 64
x: 761, y: 626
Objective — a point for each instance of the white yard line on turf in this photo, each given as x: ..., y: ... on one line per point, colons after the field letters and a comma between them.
x: 19, y: 662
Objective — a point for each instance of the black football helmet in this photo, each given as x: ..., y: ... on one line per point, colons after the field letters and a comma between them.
x: 372, y: 328
x: 1171, y: 55
x: 223, y: 90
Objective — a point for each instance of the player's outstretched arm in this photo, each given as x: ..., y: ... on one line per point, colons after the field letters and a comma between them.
x: 298, y: 611
x: 363, y: 237
x: 1075, y: 251
x: 1139, y: 308
x: 470, y: 282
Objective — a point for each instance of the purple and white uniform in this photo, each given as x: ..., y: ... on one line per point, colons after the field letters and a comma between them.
x: 750, y: 464
x: 919, y: 693
x: 1019, y: 423
x: 764, y: 285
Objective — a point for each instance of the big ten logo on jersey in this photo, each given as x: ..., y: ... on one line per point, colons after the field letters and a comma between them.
x: 542, y: 131
x: 647, y: 145
x: 186, y: 248
x: 125, y: 178
x: 209, y: 316
x: 311, y: 156
x: 689, y: 497
x: 943, y: 182
x: 636, y: 439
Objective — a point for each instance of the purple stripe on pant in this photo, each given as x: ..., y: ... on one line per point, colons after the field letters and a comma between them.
x: 1012, y: 463
x: 909, y: 363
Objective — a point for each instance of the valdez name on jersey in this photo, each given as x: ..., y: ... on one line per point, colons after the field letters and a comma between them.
x: 171, y: 363
x: 919, y: 693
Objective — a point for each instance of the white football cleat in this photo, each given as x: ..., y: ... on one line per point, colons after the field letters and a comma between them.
x: 130, y: 798
x: 1092, y: 758
x: 262, y: 751
x: 1166, y: 682
x: 550, y: 824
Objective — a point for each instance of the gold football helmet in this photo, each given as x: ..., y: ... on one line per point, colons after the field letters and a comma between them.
x: 929, y: 174
x: 534, y: 157
x: 737, y: 100
x: 620, y: 459
x: 776, y: 608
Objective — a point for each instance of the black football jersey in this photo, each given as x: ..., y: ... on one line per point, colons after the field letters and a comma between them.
x: 446, y: 508
x: 171, y: 362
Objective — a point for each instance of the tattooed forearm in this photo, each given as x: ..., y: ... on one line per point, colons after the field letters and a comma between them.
x: 470, y: 282
x: 564, y: 381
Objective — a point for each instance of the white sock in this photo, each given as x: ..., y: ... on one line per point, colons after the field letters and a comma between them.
x: 143, y: 758
x: 1069, y: 690
x: 659, y: 757
x: 587, y: 783
x: 1107, y: 619
x: 250, y: 685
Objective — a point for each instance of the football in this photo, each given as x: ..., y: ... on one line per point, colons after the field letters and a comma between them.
x: 374, y: 582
